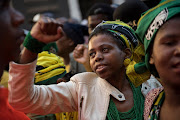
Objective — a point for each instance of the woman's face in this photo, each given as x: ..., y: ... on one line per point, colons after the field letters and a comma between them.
x: 11, y: 34
x: 106, y: 59
x: 166, y: 52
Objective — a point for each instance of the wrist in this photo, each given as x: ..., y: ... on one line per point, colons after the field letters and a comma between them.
x: 33, y: 44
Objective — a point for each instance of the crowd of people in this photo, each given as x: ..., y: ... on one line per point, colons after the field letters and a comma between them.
x: 124, y: 64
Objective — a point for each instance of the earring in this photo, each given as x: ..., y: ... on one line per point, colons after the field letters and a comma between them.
x: 127, y: 62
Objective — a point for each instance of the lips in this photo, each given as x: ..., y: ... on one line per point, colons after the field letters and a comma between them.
x: 176, y: 67
x: 100, y: 67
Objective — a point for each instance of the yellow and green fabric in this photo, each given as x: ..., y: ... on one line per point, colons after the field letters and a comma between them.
x: 49, y: 68
x: 155, y: 110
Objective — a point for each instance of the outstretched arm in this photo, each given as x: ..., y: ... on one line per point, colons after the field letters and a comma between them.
x: 39, y: 99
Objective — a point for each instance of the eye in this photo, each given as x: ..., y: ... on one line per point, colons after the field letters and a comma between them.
x: 169, y: 43
x: 105, y: 50
x: 91, y: 54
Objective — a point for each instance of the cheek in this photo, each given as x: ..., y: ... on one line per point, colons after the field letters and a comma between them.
x: 91, y: 64
x: 162, y: 60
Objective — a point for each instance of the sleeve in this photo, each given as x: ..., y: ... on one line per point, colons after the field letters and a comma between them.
x: 39, y: 99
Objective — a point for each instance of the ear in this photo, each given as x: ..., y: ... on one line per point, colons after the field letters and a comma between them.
x: 151, y: 60
x: 127, y: 52
x: 71, y: 42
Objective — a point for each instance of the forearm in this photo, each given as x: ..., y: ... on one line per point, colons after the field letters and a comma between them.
x: 27, y: 56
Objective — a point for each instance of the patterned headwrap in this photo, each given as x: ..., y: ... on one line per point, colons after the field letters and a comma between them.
x: 49, y: 68
x: 150, y: 23
x: 121, y: 30
x: 127, y: 37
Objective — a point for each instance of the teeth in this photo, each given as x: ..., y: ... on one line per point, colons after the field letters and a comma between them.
x: 99, y: 67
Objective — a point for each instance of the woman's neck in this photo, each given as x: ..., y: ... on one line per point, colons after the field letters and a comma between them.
x: 171, y: 107
x: 172, y: 96
x: 119, y: 80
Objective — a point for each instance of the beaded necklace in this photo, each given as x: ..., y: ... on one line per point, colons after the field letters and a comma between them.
x: 135, y: 113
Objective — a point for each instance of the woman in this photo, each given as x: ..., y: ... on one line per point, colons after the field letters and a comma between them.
x: 106, y: 94
x: 159, y: 30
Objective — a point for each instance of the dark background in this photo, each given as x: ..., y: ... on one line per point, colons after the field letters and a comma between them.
x: 58, y: 7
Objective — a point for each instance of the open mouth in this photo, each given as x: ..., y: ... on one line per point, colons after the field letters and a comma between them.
x: 100, y: 68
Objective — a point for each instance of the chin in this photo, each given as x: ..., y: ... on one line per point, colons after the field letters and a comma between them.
x: 104, y: 76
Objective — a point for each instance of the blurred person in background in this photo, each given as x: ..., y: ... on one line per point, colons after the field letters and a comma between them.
x: 130, y: 11
x: 73, y: 35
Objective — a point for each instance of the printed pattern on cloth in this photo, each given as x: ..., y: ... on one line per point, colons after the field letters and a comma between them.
x: 150, y: 97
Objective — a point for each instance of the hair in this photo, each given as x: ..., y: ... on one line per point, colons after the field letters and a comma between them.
x: 101, y: 8
x: 151, y: 3
x: 75, y: 32
x: 117, y: 39
x: 130, y: 10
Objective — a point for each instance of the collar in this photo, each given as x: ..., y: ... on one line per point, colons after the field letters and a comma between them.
x: 111, y: 90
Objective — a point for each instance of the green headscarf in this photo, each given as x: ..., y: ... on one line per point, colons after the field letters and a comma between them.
x: 150, y: 23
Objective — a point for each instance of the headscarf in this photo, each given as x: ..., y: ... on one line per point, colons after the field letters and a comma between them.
x: 49, y: 68
x: 128, y: 38
x: 119, y: 29
x: 150, y: 23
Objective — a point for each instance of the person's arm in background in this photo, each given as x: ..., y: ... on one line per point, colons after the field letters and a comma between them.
x: 81, y: 55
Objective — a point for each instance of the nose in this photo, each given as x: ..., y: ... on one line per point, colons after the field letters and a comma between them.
x: 16, y: 17
x: 177, y: 50
x: 98, y: 57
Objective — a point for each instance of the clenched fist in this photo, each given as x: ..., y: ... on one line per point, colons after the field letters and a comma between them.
x: 47, y: 30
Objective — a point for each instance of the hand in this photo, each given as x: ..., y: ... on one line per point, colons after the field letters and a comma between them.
x: 47, y: 30
x: 80, y: 54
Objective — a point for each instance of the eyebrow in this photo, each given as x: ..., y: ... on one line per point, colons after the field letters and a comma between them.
x: 169, y: 36
x: 100, y: 46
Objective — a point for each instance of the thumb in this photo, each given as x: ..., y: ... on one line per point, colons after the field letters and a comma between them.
x: 59, y: 33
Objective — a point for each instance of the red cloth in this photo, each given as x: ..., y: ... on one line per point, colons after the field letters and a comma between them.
x: 6, y: 111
